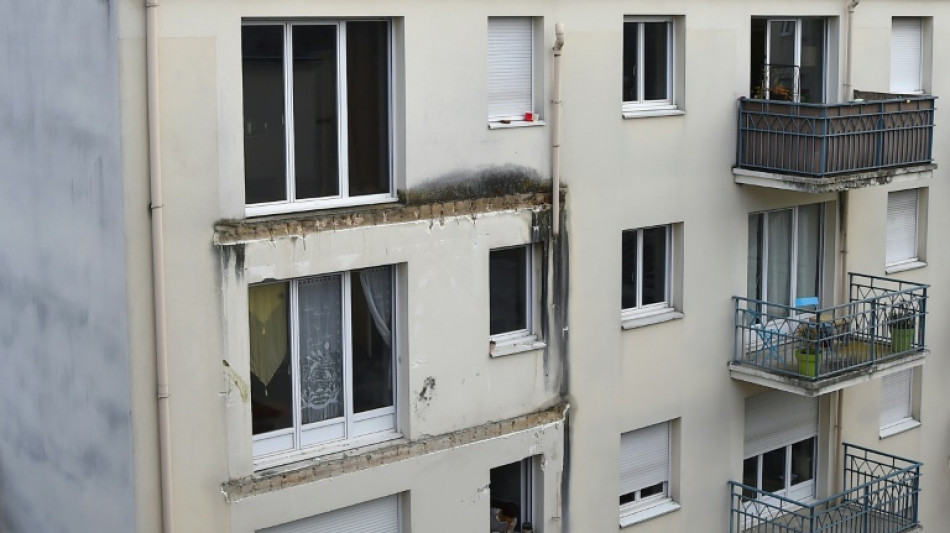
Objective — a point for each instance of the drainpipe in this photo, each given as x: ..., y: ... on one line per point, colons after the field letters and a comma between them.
x: 556, y: 131
x: 158, y: 260
x: 843, y: 291
x: 848, y: 93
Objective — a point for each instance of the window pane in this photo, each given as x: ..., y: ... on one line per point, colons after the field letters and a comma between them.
x: 756, y: 256
x: 372, y: 338
x: 655, y: 58
x: 779, y: 285
x: 654, y: 265
x: 508, y: 289
x: 315, y: 111
x: 750, y: 475
x: 803, y: 461
x: 628, y: 286
x: 651, y: 490
x: 367, y: 90
x: 262, y: 49
x: 809, y: 250
x: 813, y: 60
x: 271, y: 382
x: 630, y: 57
x: 321, y: 348
x: 773, y: 470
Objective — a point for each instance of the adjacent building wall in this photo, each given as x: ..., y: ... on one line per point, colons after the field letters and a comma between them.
x: 66, y: 446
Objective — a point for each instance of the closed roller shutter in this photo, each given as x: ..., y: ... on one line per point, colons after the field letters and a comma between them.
x: 906, y: 60
x: 509, y: 67
x: 896, y: 397
x: 775, y: 419
x: 644, y: 457
x: 377, y: 516
x: 902, y: 226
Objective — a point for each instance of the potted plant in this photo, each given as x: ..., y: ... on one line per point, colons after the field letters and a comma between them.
x: 902, y: 322
x: 808, y: 352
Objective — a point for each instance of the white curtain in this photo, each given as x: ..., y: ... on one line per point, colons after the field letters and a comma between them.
x: 779, y: 258
x: 320, y: 304
x: 377, y: 286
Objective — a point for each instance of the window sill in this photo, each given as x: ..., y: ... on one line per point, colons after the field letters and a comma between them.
x: 661, y: 508
x: 902, y: 267
x: 634, y: 320
x: 289, y: 459
x: 646, y: 113
x: 906, y: 424
x: 519, y: 345
x: 281, y: 208
x: 500, y: 125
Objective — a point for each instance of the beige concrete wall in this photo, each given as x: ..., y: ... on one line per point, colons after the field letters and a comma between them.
x: 620, y: 174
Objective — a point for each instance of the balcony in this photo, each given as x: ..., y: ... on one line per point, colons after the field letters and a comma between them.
x: 832, y: 147
x: 812, y: 351
x: 880, y: 495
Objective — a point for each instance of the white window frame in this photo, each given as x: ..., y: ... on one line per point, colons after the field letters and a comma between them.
x: 895, y: 216
x: 291, y: 204
x: 653, y: 505
x: 666, y: 305
x: 529, y: 477
x: 778, y: 405
x: 352, y: 428
x: 826, y: 59
x: 901, y: 387
x: 793, y: 260
x: 518, y: 118
x: 897, y: 83
x: 527, y: 335
x: 665, y: 104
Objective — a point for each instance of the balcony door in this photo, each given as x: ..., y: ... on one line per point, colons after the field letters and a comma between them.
x: 788, y: 59
x: 785, y: 256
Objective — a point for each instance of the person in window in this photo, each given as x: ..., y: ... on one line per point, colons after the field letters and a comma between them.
x: 504, y: 518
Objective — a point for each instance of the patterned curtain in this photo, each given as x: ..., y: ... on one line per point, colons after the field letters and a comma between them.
x: 320, y: 304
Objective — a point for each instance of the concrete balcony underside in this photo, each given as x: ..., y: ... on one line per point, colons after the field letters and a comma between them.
x: 836, y: 183
x: 796, y: 384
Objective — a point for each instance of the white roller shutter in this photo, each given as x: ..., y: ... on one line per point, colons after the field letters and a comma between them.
x: 644, y: 457
x: 906, y: 57
x: 377, y: 516
x: 775, y: 419
x: 509, y: 67
x: 896, y: 397
x: 902, y: 226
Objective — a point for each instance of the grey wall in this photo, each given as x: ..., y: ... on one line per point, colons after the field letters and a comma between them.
x: 65, y: 423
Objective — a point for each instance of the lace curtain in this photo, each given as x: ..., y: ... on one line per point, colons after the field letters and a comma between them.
x: 321, y: 348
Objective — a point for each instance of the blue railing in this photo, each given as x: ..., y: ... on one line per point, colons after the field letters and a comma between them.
x: 819, y: 140
x: 880, y: 496
x: 884, y: 319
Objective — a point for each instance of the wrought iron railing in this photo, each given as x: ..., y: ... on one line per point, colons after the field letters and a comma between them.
x: 884, y: 319
x: 880, y: 495
x: 819, y: 140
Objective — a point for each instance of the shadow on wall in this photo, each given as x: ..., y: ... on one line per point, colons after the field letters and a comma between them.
x: 484, y: 183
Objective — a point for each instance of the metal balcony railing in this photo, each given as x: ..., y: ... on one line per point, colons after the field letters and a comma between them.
x: 820, y: 140
x: 880, y: 496
x: 884, y: 319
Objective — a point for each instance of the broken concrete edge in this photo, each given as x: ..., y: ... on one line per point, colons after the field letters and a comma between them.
x: 234, y: 232
x: 853, y: 180
x: 354, y: 460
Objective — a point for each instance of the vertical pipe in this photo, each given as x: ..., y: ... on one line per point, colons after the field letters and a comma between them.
x: 158, y: 260
x: 847, y: 76
x: 556, y: 131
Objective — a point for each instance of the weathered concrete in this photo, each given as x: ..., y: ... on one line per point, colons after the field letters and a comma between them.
x: 384, y: 454
x: 66, y: 461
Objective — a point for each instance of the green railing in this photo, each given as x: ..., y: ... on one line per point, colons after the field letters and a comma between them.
x: 880, y: 496
x: 884, y: 319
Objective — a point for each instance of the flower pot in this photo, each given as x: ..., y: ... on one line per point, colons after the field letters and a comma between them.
x: 902, y: 339
x: 808, y: 363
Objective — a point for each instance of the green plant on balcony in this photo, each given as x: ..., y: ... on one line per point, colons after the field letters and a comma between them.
x: 902, y: 321
x: 808, y: 351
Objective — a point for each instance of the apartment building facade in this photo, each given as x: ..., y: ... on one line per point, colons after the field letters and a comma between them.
x: 421, y: 266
